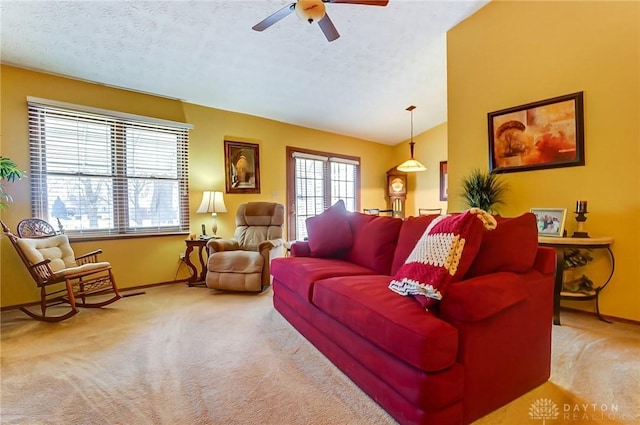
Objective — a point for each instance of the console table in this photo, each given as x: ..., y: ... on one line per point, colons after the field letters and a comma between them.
x: 560, y: 245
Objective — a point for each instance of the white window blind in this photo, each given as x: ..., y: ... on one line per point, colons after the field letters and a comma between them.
x: 104, y: 172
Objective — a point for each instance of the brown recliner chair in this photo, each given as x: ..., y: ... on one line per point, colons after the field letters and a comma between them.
x: 242, y: 263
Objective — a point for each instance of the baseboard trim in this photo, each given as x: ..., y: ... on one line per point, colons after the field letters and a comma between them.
x: 611, y: 318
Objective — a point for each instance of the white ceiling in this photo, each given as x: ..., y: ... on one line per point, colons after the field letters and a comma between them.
x: 205, y: 52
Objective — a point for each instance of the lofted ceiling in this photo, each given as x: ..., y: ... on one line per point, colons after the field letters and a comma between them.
x: 205, y: 52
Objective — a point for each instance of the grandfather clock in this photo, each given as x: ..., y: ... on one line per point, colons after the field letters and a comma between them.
x: 397, y: 191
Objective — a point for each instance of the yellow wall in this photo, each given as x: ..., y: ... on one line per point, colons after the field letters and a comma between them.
x: 149, y: 260
x: 212, y: 126
x: 516, y: 52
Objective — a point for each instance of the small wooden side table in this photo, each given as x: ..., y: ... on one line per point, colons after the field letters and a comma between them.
x: 196, y: 278
x: 560, y: 244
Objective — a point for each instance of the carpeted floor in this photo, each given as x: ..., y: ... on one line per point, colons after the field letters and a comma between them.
x: 180, y: 355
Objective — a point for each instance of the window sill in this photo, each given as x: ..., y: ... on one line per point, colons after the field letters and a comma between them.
x: 105, y: 237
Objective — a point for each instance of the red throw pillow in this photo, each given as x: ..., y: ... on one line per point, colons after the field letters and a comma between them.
x: 442, y: 255
x: 511, y: 247
x: 374, y: 241
x: 329, y: 233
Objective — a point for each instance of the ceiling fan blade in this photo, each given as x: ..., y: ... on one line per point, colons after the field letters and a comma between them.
x: 272, y: 19
x: 327, y: 27
x: 364, y: 2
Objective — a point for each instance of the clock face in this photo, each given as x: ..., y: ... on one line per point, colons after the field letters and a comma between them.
x: 397, y: 186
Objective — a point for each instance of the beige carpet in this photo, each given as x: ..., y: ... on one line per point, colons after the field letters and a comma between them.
x: 179, y: 355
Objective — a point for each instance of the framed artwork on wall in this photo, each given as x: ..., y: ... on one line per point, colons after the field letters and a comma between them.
x: 550, y: 221
x: 242, y: 167
x: 444, y: 181
x: 544, y: 134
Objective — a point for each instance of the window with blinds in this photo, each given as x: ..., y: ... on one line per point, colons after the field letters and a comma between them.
x: 105, y: 172
x: 317, y: 180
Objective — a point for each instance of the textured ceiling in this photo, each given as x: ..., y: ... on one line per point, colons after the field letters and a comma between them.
x: 205, y: 52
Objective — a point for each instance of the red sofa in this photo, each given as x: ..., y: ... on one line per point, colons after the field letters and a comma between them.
x: 487, y: 342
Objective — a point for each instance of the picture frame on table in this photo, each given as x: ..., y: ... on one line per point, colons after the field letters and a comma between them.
x: 550, y: 221
x: 538, y: 135
x: 242, y: 167
x: 444, y: 181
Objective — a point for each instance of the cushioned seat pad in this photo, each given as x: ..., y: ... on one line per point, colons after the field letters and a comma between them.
x: 396, y: 324
x: 103, y: 265
x: 300, y: 273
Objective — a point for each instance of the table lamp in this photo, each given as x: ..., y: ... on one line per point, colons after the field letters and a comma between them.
x: 212, y: 202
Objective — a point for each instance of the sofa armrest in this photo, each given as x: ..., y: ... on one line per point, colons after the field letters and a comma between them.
x: 481, y: 297
x: 300, y: 249
x: 545, y: 261
x: 219, y: 245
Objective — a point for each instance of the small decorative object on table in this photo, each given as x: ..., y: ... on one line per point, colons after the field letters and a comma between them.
x: 550, y: 221
x: 581, y: 210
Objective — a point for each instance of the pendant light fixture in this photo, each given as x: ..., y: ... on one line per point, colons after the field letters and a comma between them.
x: 411, y: 165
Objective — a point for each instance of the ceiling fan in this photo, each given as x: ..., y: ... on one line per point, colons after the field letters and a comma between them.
x: 313, y: 11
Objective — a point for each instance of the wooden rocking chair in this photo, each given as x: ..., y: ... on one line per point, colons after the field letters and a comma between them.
x: 52, y: 264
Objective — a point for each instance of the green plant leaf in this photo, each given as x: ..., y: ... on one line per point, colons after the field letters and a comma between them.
x: 483, y: 190
x: 9, y: 171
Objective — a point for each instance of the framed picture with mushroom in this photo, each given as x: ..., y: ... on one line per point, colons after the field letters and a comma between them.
x: 538, y: 135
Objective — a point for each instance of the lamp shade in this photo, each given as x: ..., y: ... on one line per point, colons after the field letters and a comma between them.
x: 411, y: 166
x: 212, y: 202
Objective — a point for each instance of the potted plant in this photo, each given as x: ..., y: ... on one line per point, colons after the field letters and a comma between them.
x: 8, y: 171
x: 484, y: 190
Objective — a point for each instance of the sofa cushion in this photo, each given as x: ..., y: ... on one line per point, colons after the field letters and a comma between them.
x: 329, y: 233
x: 443, y: 255
x: 300, y: 273
x: 410, y: 231
x: 396, y: 324
x: 374, y: 241
x: 511, y: 247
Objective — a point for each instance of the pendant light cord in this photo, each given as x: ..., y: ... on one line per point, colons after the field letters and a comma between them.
x: 411, y: 143
x: 412, y: 127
